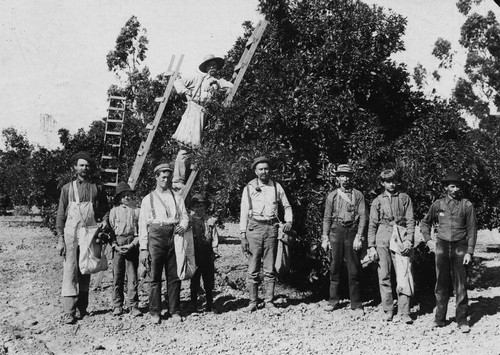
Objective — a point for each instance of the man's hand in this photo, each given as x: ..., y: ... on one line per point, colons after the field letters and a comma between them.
x: 61, y: 247
x: 287, y: 227
x: 357, y: 243
x: 325, y: 243
x: 467, y: 259
x: 372, y: 254
x: 431, y: 244
x: 144, y: 259
x: 245, y: 246
x: 407, y: 246
x: 188, y: 97
x: 179, y: 229
x: 103, y: 225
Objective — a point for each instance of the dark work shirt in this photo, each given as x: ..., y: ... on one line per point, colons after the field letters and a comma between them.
x: 87, y: 191
x: 455, y: 220
x: 339, y: 210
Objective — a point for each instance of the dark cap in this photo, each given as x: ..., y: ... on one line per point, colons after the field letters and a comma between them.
x: 198, y: 198
x: 452, y: 176
x: 344, y: 168
x: 82, y: 155
x: 258, y: 161
x: 163, y: 167
x: 123, y: 187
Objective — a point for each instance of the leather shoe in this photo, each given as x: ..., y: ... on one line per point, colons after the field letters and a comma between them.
x: 330, y: 307
x: 405, y: 318
x: 176, y: 318
x: 155, y: 318
x: 437, y: 324
x: 118, y: 311
x: 68, y: 319
x: 388, y: 316
x: 464, y: 328
x: 135, y: 312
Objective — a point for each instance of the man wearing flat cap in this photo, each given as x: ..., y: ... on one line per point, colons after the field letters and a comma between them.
x: 162, y: 215
x: 198, y: 90
x: 81, y: 203
x: 456, y: 235
x: 344, y: 226
x: 259, y: 224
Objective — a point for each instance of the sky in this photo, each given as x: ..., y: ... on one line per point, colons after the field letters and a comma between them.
x: 53, y: 52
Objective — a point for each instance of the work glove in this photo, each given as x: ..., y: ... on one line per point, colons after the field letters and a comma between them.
x: 372, y: 254
x: 179, y: 230
x: 245, y: 246
x: 407, y: 246
x: 357, y: 243
x: 325, y: 243
x: 61, y: 247
x: 287, y: 227
x: 431, y: 244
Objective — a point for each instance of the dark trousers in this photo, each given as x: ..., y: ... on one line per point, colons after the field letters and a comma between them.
x: 449, y: 263
x: 162, y: 252
x: 128, y: 264
x: 205, y: 262
x: 341, y: 241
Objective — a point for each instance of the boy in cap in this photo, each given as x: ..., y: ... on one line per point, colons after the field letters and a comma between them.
x: 390, y: 208
x: 162, y: 215
x: 259, y: 229
x: 344, y: 223
x: 206, y: 241
x: 198, y: 90
x: 124, y: 218
x: 82, y: 203
x: 455, y: 242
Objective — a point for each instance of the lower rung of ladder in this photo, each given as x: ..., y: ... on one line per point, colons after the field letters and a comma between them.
x: 113, y: 133
x: 112, y: 184
x: 117, y: 98
x: 114, y: 171
x: 111, y: 108
x: 114, y: 121
x: 160, y: 99
x: 109, y: 157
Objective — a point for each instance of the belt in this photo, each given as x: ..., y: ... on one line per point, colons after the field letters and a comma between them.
x: 266, y: 221
x: 163, y: 224
x: 345, y: 224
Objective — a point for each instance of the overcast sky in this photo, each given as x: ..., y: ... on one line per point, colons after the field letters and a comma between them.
x: 53, y: 52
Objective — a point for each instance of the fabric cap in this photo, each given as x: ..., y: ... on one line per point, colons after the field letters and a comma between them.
x: 83, y: 155
x: 388, y: 174
x: 258, y: 161
x: 162, y: 167
x: 123, y: 187
x: 198, y: 198
x: 452, y: 176
x: 219, y: 61
x: 344, y: 168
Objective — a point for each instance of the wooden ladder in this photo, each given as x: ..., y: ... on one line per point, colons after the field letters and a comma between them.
x: 239, y: 72
x: 112, y: 140
x: 145, y: 145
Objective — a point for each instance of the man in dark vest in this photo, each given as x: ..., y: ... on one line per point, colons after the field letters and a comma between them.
x: 259, y: 229
x: 456, y: 235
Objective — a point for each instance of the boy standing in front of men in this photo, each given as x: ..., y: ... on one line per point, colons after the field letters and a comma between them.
x: 455, y: 242
x: 388, y: 209
x: 206, y: 241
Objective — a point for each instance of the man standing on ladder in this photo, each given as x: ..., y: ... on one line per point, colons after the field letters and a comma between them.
x: 197, y: 89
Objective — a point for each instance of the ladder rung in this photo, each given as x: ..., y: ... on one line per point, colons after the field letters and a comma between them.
x: 114, y: 171
x: 114, y: 133
x: 117, y: 98
x: 113, y: 184
x: 238, y: 66
x: 250, y: 40
x: 114, y: 121
x: 109, y: 157
x: 110, y: 108
x: 114, y: 145
x: 160, y: 99
x: 150, y: 126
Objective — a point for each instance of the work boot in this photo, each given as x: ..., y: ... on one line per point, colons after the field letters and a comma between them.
x: 464, y: 328
x: 176, y: 318
x: 155, y: 318
x: 405, y: 318
x: 358, y: 313
x: 437, y: 324
x: 135, y: 312
x: 253, y: 290
x: 68, y: 318
x: 270, y: 295
x: 118, y: 311
x: 80, y: 313
x: 330, y: 307
x: 210, y: 301
x: 388, y: 315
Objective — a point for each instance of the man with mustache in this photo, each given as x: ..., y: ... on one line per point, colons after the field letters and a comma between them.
x: 456, y: 237
x: 344, y: 224
x: 259, y: 229
x: 197, y: 90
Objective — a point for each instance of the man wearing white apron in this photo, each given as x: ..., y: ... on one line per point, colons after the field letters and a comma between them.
x: 197, y: 89
x: 82, y: 203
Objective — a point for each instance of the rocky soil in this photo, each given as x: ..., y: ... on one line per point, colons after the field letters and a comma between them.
x: 30, y: 312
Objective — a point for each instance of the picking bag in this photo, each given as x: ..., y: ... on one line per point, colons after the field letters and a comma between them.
x: 184, y: 254
x: 92, y: 255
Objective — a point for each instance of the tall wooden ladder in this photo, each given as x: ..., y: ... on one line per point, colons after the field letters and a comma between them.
x: 239, y: 71
x: 145, y: 145
x: 112, y: 140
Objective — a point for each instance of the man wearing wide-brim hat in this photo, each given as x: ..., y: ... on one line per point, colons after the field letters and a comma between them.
x: 456, y: 235
x: 162, y: 215
x: 197, y: 89
x: 344, y: 225
x: 82, y: 203
x: 259, y: 222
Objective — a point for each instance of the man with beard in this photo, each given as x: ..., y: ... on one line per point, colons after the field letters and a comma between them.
x: 259, y: 229
x: 82, y: 203
x: 162, y: 215
x: 455, y: 241
x: 344, y: 223
x: 198, y: 90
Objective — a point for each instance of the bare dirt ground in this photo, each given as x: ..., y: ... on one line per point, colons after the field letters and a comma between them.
x: 30, y: 312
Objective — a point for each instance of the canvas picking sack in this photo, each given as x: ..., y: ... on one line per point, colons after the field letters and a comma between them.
x: 283, y: 258
x: 184, y: 253
x: 92, y: 255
